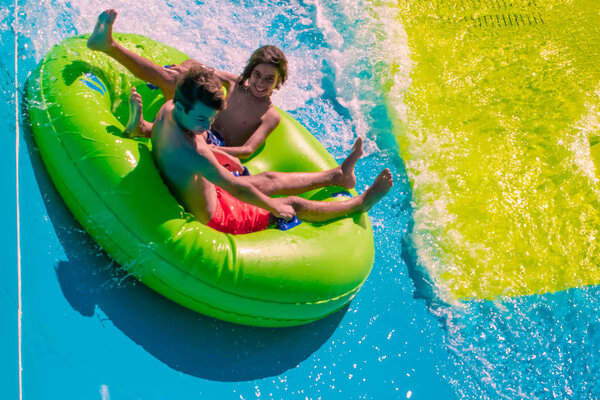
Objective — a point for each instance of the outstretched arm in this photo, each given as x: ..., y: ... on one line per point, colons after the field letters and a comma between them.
x: 206, y: 165
x: 269, y: 122
x: 231, y: 163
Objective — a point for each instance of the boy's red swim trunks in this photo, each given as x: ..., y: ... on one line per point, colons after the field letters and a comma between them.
x: 234, y: 216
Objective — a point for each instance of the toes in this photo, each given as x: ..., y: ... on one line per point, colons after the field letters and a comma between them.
x: 108, y: 16
x: 386, y: 177
x: 135, y: 99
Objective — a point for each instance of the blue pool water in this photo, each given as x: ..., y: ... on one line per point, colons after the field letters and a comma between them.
x: 89, y: 331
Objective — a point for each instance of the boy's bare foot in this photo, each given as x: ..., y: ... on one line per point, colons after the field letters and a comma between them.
x: 134, y: 125
x: 101, y: 38
x: 380, y: 187
x: 347, y: 179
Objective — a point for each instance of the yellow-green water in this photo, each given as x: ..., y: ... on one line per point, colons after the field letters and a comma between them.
x: 501, y: 98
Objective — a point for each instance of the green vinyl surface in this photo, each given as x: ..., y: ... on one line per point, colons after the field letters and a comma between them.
x: 77, y: 101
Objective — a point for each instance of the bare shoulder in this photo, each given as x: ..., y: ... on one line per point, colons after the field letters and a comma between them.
x: 271, y: 118
x: 164, y: 110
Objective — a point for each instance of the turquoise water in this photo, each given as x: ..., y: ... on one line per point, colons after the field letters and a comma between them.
x: 90, y: 331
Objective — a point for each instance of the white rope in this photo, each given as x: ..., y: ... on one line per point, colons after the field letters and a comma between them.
x: 17, y: 142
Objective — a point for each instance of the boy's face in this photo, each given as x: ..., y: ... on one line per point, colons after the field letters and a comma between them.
x: 199, y: 118
x: 263, y: 80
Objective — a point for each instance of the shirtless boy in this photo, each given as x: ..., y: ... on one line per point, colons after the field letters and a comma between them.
x: 240, y: 204
x: 249, y: 117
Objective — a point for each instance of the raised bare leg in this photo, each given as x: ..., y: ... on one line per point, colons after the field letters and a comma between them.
x: 290, y: 183
x: 137, y: 126
x: 348, y: 179
x: 319, y: 211
x: 102, y: 40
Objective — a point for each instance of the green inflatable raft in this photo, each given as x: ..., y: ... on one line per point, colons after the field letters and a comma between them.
x: 78, y: 103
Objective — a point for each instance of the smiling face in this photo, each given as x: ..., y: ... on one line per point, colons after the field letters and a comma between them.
x: 263, y: 80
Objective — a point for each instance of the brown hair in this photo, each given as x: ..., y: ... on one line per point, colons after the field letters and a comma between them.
x: 199, y: 84
x: 266, y: 55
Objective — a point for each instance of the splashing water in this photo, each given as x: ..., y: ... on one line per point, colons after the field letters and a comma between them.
x: 491, y: 132
x: 492, y: 121
x: 495, y: 129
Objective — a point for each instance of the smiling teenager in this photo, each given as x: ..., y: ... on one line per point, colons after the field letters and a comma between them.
x: 241, y: 204
x: 238, y: 130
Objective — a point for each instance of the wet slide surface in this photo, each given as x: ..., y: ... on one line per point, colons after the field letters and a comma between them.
x: 494, y: 130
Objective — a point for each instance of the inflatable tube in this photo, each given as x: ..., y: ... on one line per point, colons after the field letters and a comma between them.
x: 78, y: 103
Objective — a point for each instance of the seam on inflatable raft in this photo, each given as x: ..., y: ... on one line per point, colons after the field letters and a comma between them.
x: 42, y: 72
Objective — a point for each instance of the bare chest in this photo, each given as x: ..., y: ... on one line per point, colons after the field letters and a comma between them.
x: 240, y: 119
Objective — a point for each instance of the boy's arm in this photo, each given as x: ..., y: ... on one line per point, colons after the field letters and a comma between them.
x: 231, y: 163
x: 268, y: 124
x: 207, y: 166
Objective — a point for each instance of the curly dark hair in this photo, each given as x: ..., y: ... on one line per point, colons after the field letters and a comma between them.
x: 199, y: 83
x: 266, y: 55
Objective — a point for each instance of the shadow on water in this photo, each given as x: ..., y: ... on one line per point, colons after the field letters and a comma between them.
x: 182, y: 339
x: 424, y: 288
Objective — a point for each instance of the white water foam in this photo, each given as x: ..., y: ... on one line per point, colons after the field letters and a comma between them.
x: 587, y: 133
x: 224, y: 35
